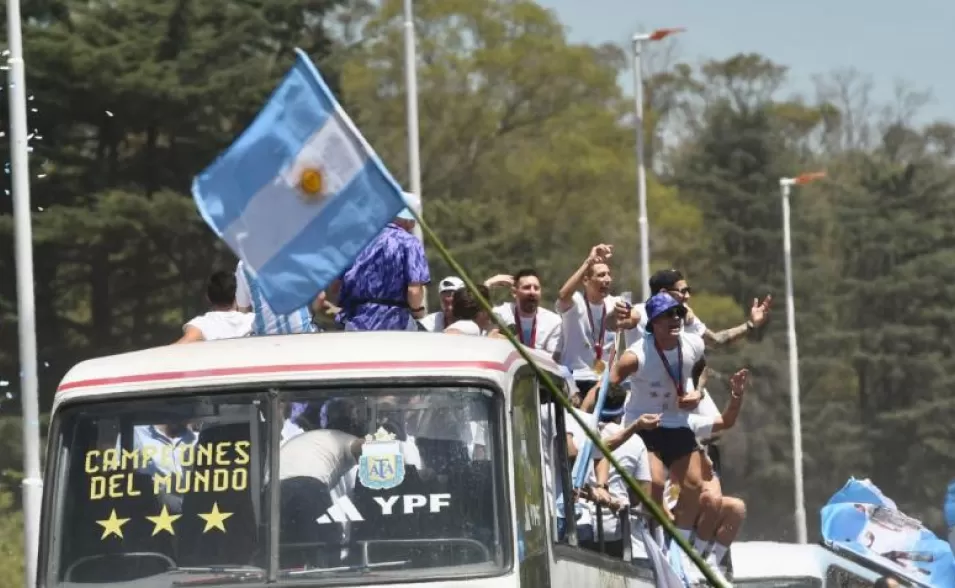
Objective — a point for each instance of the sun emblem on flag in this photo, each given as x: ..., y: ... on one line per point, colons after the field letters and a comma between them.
x: 311, y: 182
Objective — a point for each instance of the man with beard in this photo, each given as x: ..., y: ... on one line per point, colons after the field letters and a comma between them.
x: 588, y: 319
x: 535, y: 327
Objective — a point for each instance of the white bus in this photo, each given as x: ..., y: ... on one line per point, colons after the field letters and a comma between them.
x: 162, y: 468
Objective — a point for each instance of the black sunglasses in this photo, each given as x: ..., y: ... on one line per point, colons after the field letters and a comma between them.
x: 677, y: 312
x: 686, y: 290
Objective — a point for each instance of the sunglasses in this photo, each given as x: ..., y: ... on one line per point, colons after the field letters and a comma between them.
x: 686, y: 291
x: 677, y: 312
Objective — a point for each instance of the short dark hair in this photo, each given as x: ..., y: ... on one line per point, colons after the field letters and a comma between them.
x: 589, y: 272
x: 464, y: 305
x: 525, y: 273
x: 885, y: 582
x: 664, y: 280
x: 220, y: 289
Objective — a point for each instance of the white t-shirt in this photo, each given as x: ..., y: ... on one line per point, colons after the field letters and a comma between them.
x: 632, y: 455
x: 466, y: 328
x: 323, y: 454
x: 694, y: 327
x: 222, y: 324
x: 577, y: 336
x: 548, y: 327
x: 434, y: 322
x: 652, y: 389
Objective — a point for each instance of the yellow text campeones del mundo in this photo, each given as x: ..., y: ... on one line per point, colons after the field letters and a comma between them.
x: 225, y: 468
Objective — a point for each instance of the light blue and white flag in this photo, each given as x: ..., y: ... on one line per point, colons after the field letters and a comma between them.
x: 860, y: 518
x: 300, y: 193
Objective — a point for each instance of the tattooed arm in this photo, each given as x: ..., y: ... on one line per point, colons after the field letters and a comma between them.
x: 758, y: 315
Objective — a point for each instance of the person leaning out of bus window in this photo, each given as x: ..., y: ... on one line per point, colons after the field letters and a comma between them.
x: 660, y: 368
x: 720, y: 517
x: 469, y: 317
x: 222, y: 321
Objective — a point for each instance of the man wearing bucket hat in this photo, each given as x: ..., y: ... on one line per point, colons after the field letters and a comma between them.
x: 660, y: 367
x: 437, y: 322
x: 384, y: 289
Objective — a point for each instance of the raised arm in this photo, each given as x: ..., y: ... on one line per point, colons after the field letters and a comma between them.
x: 758, y: 315
x: 597, y: 254
x: 727, y: 419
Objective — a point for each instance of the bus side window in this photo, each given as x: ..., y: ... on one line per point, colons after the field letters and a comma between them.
x: 837, y: 577
x: 528, y: 477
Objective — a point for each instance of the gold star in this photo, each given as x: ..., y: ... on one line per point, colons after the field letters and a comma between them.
x: 163, y: 522
x: 215, y: 519
x: 112, y: 526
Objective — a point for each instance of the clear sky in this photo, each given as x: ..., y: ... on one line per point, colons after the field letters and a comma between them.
x: 911, y: 40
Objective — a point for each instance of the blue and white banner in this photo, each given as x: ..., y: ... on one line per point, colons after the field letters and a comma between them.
x: 300, y: 193
x: 860, y: 518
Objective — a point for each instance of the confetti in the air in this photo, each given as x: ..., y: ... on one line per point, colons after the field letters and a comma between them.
x: 108, y: 113
x: 4, y: 383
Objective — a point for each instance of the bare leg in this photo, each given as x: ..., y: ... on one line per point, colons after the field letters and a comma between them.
x: 689, y: 471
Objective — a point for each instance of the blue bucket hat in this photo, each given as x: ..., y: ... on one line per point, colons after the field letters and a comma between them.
x: 659, y: 304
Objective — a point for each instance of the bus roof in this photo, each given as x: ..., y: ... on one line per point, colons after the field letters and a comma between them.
x: 294, y: 357
x: 761, y: 560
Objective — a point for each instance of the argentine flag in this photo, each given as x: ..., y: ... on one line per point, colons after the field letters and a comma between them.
x: 300, y: 193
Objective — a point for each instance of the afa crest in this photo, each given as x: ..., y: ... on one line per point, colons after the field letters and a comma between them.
x: 381, y: 465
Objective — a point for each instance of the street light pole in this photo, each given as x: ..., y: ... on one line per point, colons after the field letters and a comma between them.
x: 642, y: 221
x: 786, y: 185
x: 411, y: 101
x: 26, y: 304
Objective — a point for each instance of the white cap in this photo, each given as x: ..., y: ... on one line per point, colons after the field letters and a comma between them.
x: 412, y: 202
x: 450, y: 284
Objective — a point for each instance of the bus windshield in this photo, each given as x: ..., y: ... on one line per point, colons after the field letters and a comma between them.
x: 288, y: 485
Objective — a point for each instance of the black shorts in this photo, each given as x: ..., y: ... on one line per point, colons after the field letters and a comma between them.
x: 584, y: 386
x: 670, y: 444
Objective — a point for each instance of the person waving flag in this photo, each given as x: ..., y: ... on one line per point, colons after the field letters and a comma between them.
x: 300, y: 193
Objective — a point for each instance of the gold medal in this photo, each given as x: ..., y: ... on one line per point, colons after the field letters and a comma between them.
x: 599, y: 367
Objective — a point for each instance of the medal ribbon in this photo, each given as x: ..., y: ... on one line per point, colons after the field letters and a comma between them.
x: 598, y: 338
x: 520, y: 329
x: 678, y: 379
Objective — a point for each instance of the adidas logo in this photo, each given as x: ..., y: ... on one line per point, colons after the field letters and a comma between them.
x: 342, y: 511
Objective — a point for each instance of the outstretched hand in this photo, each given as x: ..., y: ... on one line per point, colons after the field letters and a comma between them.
x: 759, y: 313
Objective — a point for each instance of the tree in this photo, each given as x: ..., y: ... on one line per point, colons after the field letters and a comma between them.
x: 131, y: 101
x: 524, y: 159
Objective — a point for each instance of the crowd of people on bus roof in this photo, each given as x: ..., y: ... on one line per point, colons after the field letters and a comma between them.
x: 659, y: 420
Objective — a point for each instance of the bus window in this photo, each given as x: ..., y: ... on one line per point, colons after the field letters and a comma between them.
x: 403, y: 481
x: 529, y: 483
x: 145, y: 487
